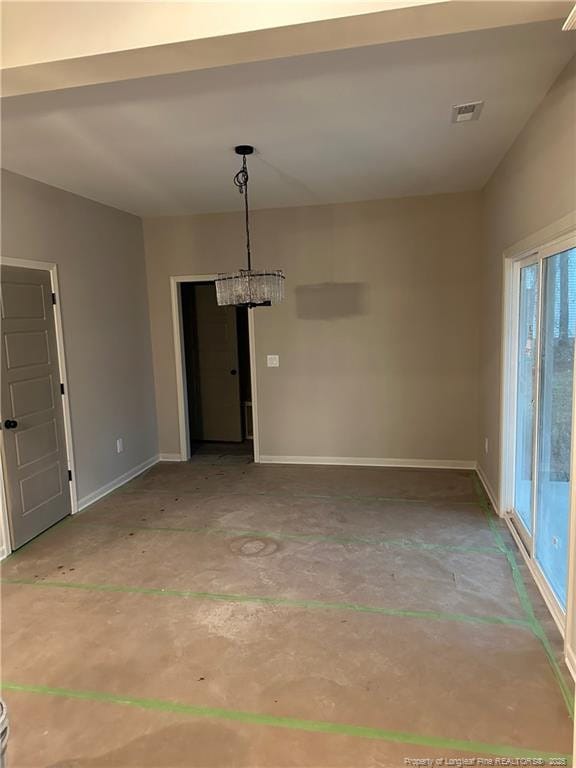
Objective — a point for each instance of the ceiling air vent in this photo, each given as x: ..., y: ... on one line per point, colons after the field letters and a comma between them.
x: 462, y: 113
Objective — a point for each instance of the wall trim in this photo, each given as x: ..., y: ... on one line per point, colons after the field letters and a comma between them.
x: 170, y: 457
x: 571, y: 661
x: 554, y: 231
x: 488, y: 488
x: 104, y: 490
x: 354, y: 461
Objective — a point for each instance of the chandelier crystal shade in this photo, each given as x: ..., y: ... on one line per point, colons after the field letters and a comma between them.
x: 249, y: 287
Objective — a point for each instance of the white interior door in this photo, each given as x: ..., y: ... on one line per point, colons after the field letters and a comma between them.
x: 33, y: 437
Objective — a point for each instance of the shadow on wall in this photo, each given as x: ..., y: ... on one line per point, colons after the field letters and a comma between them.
x: 329, y: 301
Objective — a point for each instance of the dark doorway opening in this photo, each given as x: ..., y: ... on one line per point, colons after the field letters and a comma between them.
x: 217, y: 364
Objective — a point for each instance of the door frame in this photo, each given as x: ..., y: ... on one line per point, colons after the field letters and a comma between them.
x: 514, y: 267
x: 52, y: 268
x: 570, y: 638
x: 545, y: 242
x: 177, y: 329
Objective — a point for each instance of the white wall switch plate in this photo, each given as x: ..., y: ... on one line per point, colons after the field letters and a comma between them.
x: 273, y: 361
x: 119, y: 445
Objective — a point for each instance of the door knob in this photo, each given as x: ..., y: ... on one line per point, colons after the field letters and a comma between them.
x: 10, y: 424
x: 233, y: 371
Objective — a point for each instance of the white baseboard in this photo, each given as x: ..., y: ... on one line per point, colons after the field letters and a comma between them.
x: 571, y: 661
x: 489, y: 490
x: 85, y: 501
x: 354, y: 461
x: 169, y: 457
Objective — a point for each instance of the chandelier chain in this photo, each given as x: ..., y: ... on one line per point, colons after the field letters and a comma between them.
x: 241, y: 182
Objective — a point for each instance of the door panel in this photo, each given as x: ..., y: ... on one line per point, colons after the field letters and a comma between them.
x: 34, y: 453
x: 525, y: 394
x: 30, y: 396
x: 555, y: 419
x: 218, y: 368
x: 33, y: 443
x: 26, y: 348
x: 39, y: 489
x: 24, y: 300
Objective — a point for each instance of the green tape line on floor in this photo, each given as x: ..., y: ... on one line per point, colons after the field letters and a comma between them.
x: 66, y: 521
x: 524, y: 597
x: 540, y: 632
x: 315, y: 726
x: 281, y: 601
x: 370, y: 540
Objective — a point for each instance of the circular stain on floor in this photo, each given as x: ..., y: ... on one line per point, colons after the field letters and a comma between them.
x: 251, y: 546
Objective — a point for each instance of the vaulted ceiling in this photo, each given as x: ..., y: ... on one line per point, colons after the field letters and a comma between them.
x: 362, y: 123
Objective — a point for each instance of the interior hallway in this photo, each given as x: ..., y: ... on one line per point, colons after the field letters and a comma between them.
x: 222, y: 453
x: 249, y: 615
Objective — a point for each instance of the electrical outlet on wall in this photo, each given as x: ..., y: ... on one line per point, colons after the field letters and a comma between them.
x: 273, y: 361
x: 120, y: 445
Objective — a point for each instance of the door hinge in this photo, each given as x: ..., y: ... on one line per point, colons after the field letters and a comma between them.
x: 62, y: 389
x: 53, y: 298
x: 69, y: 475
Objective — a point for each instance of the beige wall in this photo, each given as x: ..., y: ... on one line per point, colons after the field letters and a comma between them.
x: 378, y: 336
x: 534, y: 186
x: 99, y: 252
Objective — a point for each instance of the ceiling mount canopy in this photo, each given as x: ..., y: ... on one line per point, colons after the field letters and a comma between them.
x: 249, y: 287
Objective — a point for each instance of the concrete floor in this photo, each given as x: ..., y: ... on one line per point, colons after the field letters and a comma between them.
x: 227, y: 614
x: 223, y: 453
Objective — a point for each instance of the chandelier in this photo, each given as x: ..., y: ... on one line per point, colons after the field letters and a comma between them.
x: 249, y: 287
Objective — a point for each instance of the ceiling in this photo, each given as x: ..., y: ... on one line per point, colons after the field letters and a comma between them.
x: 48, y: 30
x: 357, y: 124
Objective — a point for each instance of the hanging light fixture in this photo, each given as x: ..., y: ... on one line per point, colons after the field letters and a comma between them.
x: 249, y: 287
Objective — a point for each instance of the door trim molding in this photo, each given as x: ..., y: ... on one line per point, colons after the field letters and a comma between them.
x: 52, y: 268
x: 182, y: 400
x: 540, y: 244
x: 5, y: 544
x: 571, y: 664
x: 570, y: 639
